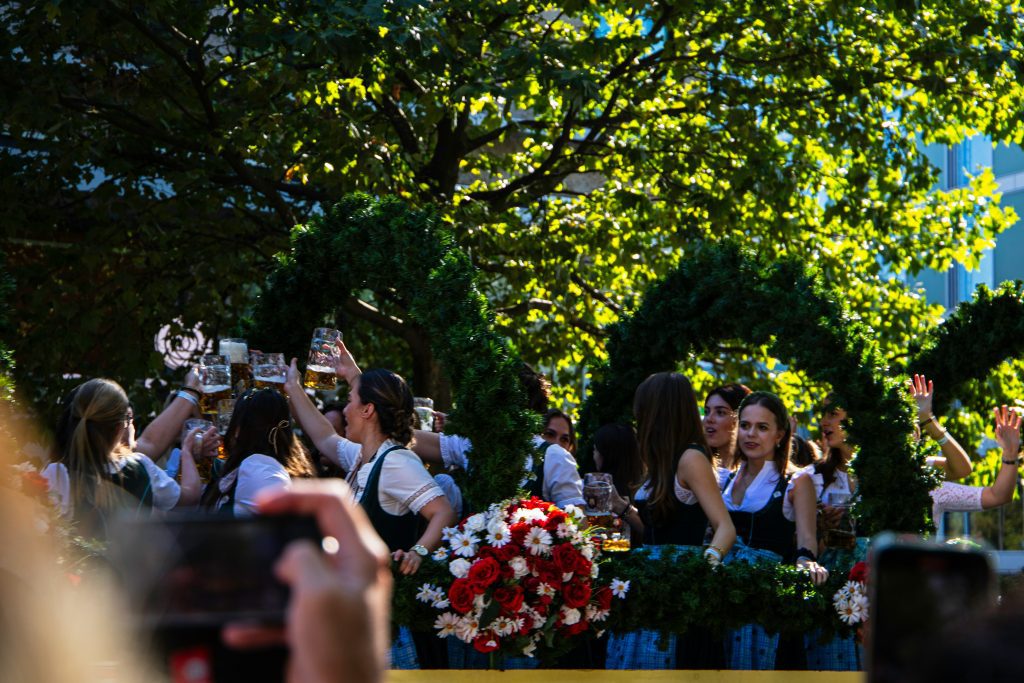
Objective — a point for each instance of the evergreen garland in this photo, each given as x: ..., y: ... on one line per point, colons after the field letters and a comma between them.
x: 407, y: 256
x: 977, y: 337
x: 723, y: 291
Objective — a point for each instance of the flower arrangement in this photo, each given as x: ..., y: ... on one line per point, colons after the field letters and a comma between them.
x: 524, y: 574
x: 851, y: 601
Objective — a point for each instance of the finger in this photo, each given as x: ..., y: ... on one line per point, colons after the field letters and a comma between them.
x: 303, y: 564
x: 247, y: 636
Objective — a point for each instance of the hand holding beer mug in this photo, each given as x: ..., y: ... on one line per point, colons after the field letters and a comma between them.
x: 269, y: 370
x: 323, y: 357
x: 424, y: 408
x: 237, y: 352
x: 199, y: 445
x: 215, y: 381
x: 225, y: 408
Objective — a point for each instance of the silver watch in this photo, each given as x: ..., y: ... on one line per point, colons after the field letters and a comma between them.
x: 420, y: 550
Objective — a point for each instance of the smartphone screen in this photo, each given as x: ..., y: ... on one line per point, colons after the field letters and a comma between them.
x: 918, y: 594
x: 203, y: 570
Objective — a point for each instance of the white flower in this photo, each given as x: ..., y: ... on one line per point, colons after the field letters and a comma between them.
x: 440, y: 554
x: 544, y: 590
x: 467, y: 628
x: 598, y: 634
x: 498, y: 535
x: 595, y: 613
x: 570, y: 616
x: 440, y: 602
x: 574, y: 511
x: 503, y: 626
x: 428, y: 593
x: 853, y: 612
x: 538, y: 541
x: 529, y: 649
x: 475, y: 523
x: 619, y: 588
x: 480, y: 603
x: 496, y: 522
x: 526, y: 515
x: 464, y: 544
x: 594, y: 571
x: 519, y: 567
x: 448, y: 532
x: 446, y: 624
x: 587, y: 551
x: 565, y: 530
x: 459, y: 568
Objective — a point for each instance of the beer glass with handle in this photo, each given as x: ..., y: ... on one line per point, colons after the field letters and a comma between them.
x: 323, y: 355
x: 269, y: 371
x: 215, y: 383
x: 237, y: 352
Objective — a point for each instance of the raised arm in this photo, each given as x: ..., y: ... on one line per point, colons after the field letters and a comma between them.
x: 427, y: 445
x: 954, y: 461
x: 317, y: 427
x: 160, y: 434
x: 1008, y: 436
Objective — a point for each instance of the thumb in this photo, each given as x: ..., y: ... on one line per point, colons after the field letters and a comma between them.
x: 303, y: 564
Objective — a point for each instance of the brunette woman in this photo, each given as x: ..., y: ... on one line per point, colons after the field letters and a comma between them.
x: 720, y: 408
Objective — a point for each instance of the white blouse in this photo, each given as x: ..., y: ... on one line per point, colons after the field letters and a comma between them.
x: 165, y: 490
x: 840, y: 484
x: 760, y: 491
x: 683, y: 495
x: 562, y: 483
x: 257, y: 473
x: 404, y: 482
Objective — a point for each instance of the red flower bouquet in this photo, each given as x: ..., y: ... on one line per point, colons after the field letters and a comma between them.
x: 524, y: 572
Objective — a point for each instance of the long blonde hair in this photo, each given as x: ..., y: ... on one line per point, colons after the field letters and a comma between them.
x: 88, y: 438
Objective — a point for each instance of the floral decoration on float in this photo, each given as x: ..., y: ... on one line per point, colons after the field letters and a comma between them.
x: 851, y: 600
x: 525, y: 576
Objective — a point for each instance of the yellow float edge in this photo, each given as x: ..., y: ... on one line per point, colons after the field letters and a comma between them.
x: 632, y: 676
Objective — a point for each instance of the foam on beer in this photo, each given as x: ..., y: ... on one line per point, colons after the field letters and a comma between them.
x: 237, y: 352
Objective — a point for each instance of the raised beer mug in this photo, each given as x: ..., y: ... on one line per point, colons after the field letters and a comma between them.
x: 323, y: 356
x: 424, y: 408
x: 215, y: 382
x: 237, y: 352
x: 269, y: 371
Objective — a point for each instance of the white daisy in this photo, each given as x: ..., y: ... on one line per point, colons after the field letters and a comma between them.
x: 441, y: 554
x: 565, y: 530
x: 498, y: 535
x: 459, y: 568
x: 445, y: 624
x: 526, y: 515
x: 544, y: 590
x: 587, y: 551
x: 475, y: 523
x: 574, y: 511
x: 440, y: 602
x: 852, y: 613
x: 427, y: 593
x: 464, y: 544
x: 570, y: 616
x: 467, y: 628
x: 619, y: 588
x: 594, y: 571
x: 519, y: 567
x: 448, y: 532
x: 503, y: 626
x: 538, y: 541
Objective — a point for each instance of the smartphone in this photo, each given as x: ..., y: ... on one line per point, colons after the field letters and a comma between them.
x: 918, y: 592
x: 205, y: 570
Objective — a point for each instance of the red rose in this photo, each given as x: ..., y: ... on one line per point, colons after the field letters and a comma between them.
x: 555, y: 519
x: 565, y: 557
x: 484, y: 572
x: 579, y: 627
x: 461, y: 595
x: 603, y: 597
x: 518, y: 532
x: 576, y: 594
x: 583, y: 566
x: 531, y: 583
x: 507, y: 573
x: 859, y: 572
x: 488, y: 642
x: 510, y: 598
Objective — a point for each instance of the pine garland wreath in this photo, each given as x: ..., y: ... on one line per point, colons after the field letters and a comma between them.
x: 409, y: 257
x: 978, y: 336
x: 780, y: 304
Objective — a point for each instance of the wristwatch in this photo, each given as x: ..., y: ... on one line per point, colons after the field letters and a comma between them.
x: 420, y: 550
x: 1015, y: 462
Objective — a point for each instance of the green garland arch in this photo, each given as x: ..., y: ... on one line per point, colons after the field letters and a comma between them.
x: 407, y: 255
x: 783, y: 305
x: 978, y: 336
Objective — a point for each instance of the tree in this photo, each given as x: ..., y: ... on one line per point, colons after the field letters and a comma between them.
x: 159, y: 153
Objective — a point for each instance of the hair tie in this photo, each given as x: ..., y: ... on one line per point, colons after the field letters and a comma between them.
x: 273, y: 433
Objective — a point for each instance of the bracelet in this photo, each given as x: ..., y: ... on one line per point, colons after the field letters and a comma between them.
x: 944, y: 440
x: 190, y: 390
x: 194, y: 400
x: 804, y: 552
x: 930, y: 418
x: 630, y: 508
x: 1015, y: 462
x: 712, y: 551
x: 714, y: 548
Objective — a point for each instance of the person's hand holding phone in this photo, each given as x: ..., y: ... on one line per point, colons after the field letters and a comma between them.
x: 338, y: 618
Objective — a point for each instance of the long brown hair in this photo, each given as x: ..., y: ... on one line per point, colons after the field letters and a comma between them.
x: 733, y: 394
x: 668, y: 423
x: 260, y: 423
x: 392, y: 399
x: 774, y: 404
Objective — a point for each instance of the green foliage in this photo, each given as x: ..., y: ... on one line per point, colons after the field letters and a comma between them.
x: 157, y: 154
x: 722, y: 291
x: 408, y: 258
